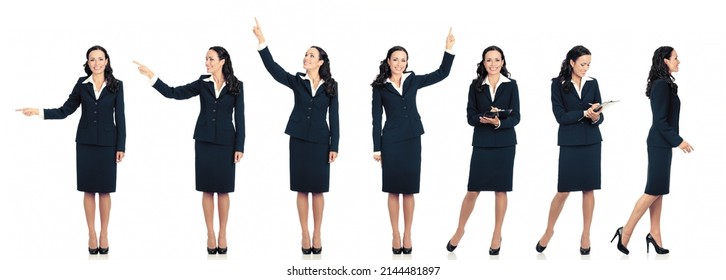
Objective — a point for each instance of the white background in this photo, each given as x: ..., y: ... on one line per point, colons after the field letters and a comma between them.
x: 157, y: 225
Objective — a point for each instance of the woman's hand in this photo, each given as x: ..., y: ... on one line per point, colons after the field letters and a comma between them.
x: 591, y: 114
x: 144, y: 70
x: 258, y: 32
x: 29, y: 111
x: 332, y: 156
x: 119, y: 156
x: 377, y: 157
x: 238, y: 156
x: 450, y: 40
x: 685, y: 147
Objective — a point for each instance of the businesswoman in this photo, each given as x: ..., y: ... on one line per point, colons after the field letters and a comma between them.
x: 397, y: 143
x: 313, y: 144
x: 575, y: 101
x: 219, y: 144
x: 494, y: 140
x: 662, y: 138
x: 100, y: 139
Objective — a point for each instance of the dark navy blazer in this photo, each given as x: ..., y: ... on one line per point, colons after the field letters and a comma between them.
x: 308, y: 118
x: 568, y: 108
x: 103, y: 122
x: 506, y: 97
x: 214, y: 123
x: 402, y: 118
x: 666, y: 109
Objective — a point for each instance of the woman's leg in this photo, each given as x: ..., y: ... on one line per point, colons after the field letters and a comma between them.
x: 467, y: 207
x: 89, y: 207
x: 104, y: 207
x: 318, y: 206
x: 408, y: 206
x: 500, y: 208
x: 223, y: 209
x: 302, y: 212
x: 588, y: 207
x: 208, y: 208
x: 393, y: 209
x: 558, y: 202
x: 655, y: 210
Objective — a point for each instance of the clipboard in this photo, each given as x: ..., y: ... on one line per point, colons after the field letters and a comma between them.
x: 602, y: 105
x: 501, y: 113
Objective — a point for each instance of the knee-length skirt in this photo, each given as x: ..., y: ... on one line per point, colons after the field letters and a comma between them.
x: 491, y: 169
x: 659, y: 170
x: 309, y: 167
x: 95, y: 168
x: 579, y: 168
x: 214, y: 167
x: 401, y: 166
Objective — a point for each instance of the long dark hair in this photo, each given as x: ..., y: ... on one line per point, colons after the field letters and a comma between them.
x: 385, y: 70
x: 565, y: 76
x: 481, y: 72
x: 659, y: 70
x: 111, y: 81
x: 227, y: 70
x: 331, y: 86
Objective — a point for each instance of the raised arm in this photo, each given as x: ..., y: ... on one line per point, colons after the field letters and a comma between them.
x: 445, y: 67
x: 277, y: 72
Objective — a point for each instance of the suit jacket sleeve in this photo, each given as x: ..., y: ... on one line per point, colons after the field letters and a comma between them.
x: 181, y: 92
x: 558, y: 106
x: 659, y: 104
x: 472, y: 110
x: 239, y: 120
x: 334, y: 123
x: 377, y: 112
x: 279, y: 74
x: 439, y: 74
x: 70, y: 106
x: 513, y: 118
x: 598, y: 99
x: 120, y: 118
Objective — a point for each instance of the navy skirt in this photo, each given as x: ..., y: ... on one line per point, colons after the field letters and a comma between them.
x: 491, y: 169
x: 579, y: 168
x: 214, y: 167
x: 96, y: 168
x: 309, y: 167
x: 659, y: 170
x: 401, y: 164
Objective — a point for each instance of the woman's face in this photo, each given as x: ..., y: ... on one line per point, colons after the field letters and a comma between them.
x: 97, y: 62
x: 581, y: 65
x: 672, y: 62
x: 213, y: 64
x: 493, y: 62
x: 398, y: 62
x: 312, y: 59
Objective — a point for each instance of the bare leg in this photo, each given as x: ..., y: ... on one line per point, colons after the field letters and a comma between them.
x: 643, y: 203
x: 655, y: 210
x: 302, y: 213
x: 318, y: 206
x: 500, y: 208
x: 104, y: 207
x: 467, y: 206
x: 223, y: 209
x: 393, y: 208
x: 588, y: 207
x: 89, y: 206
x: 408, y: 206
x: 208, y: 207
x: 558, y: 202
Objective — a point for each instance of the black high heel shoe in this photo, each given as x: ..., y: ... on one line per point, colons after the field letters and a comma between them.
x: 93, y: 251
x: 619, y: 235
x: 212, y: 251
x: 584, y: 251
x: 406, y: 251
x: 396, y: 251
x: 494, y: 252
x: 317, y: 251
x: 450, y: 247
x: 658, y: 249
x: 221, y: 250
x: 103, y: 251
x: 540, y: 248
x: 307, y: 251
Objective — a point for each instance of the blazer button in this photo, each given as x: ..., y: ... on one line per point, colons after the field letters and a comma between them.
x: 404, y: 107
x: 406, y: 116
x: 214, y: 110
x: 95, y: 112
x: 310, y: 108
x: 213, y: 119
x: 94, y: 121
x: 308, y: 117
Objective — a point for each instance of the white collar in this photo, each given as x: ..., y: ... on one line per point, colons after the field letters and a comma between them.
x: 404, y: 76
x: 502, y: 79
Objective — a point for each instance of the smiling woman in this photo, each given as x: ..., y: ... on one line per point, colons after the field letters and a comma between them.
x: 100, y: 139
